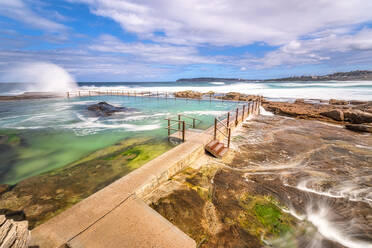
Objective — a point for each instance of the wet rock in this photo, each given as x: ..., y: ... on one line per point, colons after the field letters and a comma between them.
x: 359, y: 127
x: 13, y: 233
x: 188, y: 94
x: 209, y: 93
x: 236, y: 96
x: 338, y: 102
x: 357, y: 116
x: 105, y: 109
x: 4, y: 188
x: 300, y: 101
x: 356, y: 102
x: 335, y: 114
x: 283, y: 170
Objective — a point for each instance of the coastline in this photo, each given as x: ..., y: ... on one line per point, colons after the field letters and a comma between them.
x: 358, y: 113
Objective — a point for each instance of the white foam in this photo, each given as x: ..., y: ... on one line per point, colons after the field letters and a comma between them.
x: 274, y: 90
x: 264, y: 112
x: 205, y: 112
x: 321, y: 220
x: 44, y: 77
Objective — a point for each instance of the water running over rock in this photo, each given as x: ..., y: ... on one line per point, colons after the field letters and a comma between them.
x: 289, y: 183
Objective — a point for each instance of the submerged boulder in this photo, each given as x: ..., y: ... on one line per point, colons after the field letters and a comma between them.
x: 105, y: 109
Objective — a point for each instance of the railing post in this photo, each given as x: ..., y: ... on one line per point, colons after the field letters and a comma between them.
x: 215, y: 128
x: 228, y: 137
x: 243, y: 113
x: 228, y: 119
x: 193, y: 123
x: 183, y: 131
x: 236, y: 117
x: 179, y: 122
x: 169, y: 122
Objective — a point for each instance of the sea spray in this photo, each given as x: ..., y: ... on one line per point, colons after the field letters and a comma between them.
x: 41, y: 77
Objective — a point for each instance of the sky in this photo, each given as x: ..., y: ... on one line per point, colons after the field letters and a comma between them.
x: 159, y: 40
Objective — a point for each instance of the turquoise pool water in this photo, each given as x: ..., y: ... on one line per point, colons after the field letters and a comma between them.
x: 41, y: 135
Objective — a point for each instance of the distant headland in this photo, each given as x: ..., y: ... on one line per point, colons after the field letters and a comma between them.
x: 339, y: 76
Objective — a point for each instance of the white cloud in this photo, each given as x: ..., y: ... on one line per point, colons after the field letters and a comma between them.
x: 313, y: 51
x: 231, y: 22
x: 19, y: 11
x: 164, y: 53
x: 84, y: 64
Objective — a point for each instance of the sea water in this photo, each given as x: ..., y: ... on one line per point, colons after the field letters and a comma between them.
x: 283, y: 90
x: 57, y: 132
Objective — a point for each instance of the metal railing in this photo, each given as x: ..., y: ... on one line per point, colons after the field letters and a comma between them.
x: 181, y: 127
x: 181, y: 124
x: 240, y: 115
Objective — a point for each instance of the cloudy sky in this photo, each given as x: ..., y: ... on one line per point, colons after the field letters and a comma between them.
x: 162, y: 40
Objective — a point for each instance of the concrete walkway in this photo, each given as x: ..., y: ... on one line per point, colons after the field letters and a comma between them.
x: 116, y: 216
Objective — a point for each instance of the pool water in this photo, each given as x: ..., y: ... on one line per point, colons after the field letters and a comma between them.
x: 37, y: 136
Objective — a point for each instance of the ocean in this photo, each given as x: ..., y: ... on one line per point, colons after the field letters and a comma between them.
x: 285, y: 90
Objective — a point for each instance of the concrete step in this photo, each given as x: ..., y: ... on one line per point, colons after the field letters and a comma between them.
x: 216, y: 148
x: 212, y: 144
x: 223, y: 151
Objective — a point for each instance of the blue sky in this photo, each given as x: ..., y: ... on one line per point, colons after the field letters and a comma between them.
x: 159, y: 40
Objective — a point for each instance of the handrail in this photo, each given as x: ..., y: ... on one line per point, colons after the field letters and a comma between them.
x: 221, y: 122
x: 178, y: 121
x: 190, y: 117
x: 172, y: 124
x: 221, y: 132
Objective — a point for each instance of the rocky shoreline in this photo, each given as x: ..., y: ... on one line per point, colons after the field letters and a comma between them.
x: 354, y: 115
x: 282, y: 181
x: 31, y: 96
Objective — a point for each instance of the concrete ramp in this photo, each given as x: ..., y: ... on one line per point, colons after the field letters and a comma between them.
x: 132, y: 224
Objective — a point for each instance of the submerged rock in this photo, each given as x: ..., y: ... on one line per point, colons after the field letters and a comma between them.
x: 105, y: 109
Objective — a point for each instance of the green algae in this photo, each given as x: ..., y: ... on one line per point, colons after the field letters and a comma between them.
x: 262, y: 217
x: 53, y: 192
x: 199, y: 180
